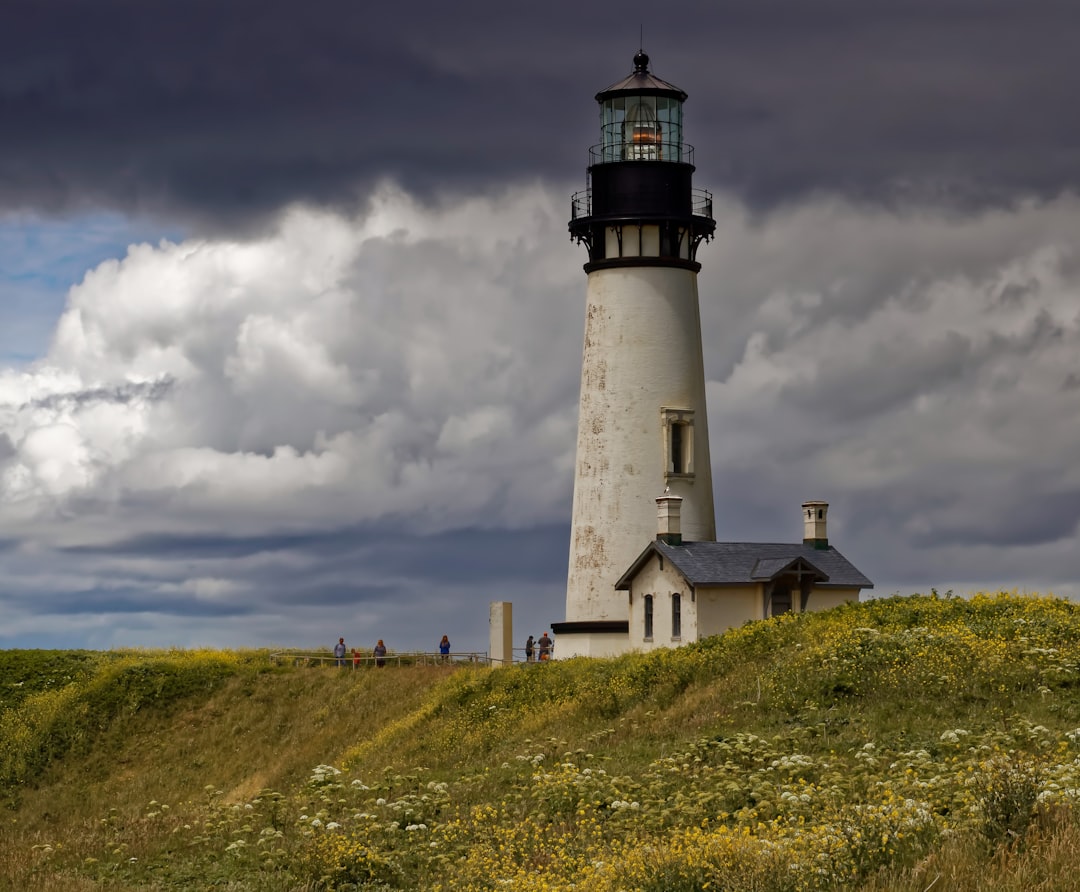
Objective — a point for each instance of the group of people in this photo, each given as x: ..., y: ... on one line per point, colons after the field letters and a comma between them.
x: 538, y: 648
x: 535, y: 649
x: 341, y: 660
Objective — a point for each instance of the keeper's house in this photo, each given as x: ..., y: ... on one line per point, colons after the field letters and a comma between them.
x: 679, y: 592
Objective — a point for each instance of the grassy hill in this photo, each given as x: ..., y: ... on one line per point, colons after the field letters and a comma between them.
x: 905, y: 744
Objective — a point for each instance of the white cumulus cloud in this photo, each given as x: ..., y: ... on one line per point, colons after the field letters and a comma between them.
x: 310, y: 423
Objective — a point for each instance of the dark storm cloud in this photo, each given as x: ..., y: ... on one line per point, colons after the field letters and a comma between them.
x: 990, y: 517
x: 151, y: 391
x: 412, y: 584
x: 123, y: 600
x: 346, y: 594
x: 457, y: 556
x: 219, y: 112
x: 179, y: 546
x: 471, y: 556
x: 1046, y: 517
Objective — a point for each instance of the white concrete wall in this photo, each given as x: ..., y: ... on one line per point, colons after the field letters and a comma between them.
x: 577, y: 644
x: 827, y: 598
x: 642, y: 353
x: 727, y: 607
x: 661, y: 584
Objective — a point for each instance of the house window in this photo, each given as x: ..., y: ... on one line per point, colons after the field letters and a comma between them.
x: 648, y: 617
x: 676, y: 615
x: 678, y: 428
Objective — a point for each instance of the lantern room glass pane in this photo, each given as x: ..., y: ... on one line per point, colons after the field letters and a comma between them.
x: 613, y: 114
x: 641, y: 128
x: 641, y: 135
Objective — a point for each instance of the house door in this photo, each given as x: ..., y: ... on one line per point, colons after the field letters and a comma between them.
x: 781, y: 599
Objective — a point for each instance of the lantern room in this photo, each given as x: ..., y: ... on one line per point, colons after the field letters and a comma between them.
x: 641, y: 205
x: 641, y: 118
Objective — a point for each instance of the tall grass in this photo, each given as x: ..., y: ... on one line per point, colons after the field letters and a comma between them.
x: 908, y: 743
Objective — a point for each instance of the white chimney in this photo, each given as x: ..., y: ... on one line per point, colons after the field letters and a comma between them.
x: 814, y: 516
x: 669, y: 518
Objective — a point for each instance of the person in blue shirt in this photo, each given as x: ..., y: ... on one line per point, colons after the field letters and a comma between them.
x: 339, y: 652
x: 444, y: 649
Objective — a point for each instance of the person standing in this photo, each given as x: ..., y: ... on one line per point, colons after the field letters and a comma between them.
x: 355, y: 658
x: 545, y: 647
x: 380, y: 654
x: 444, y: 649
x: 339, y: 652
x: 530, y: 649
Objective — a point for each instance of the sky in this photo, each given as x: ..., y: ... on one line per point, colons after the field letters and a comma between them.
x: 291, y: 323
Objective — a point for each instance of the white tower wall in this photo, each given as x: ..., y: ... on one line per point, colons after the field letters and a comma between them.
x: 642, y: 423
x: 642, y: 372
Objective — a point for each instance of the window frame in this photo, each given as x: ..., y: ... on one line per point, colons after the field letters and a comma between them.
x: 672, y: 419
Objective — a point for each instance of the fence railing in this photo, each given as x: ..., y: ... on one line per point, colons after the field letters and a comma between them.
x: 618, y: 151
x: 701, y: 203
x: 367, y: 660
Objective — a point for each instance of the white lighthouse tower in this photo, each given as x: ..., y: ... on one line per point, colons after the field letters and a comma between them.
x: 642, y: 424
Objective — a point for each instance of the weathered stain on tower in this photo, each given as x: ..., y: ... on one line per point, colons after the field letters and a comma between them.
x: 642, y: 423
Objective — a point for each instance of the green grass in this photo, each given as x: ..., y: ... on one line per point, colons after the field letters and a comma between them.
x: 27, y: 672
x: 906, y: 743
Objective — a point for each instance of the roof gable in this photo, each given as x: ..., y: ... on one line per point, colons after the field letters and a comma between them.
x: 766, y: 569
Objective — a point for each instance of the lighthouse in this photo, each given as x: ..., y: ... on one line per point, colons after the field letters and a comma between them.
x: 642, y: 421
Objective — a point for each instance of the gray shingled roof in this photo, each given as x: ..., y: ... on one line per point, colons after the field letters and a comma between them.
x: 726, y: 563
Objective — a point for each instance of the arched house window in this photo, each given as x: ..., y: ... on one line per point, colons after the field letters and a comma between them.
x: 676, y: 615
x: 648, y: 605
